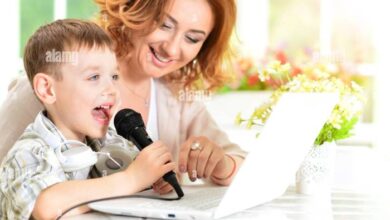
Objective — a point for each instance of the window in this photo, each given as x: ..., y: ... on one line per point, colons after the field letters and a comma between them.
x: 33, y: 13
x: 84, y: 9
x: 294, y: 25
x: 42, y: 12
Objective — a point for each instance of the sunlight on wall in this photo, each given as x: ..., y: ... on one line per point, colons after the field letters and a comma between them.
x: 252, y: 26
x: 325, y: 27
x: 382, y: 82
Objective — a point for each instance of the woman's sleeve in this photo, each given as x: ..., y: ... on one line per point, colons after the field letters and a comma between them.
x: 17, y: 111
x: 200, y: 123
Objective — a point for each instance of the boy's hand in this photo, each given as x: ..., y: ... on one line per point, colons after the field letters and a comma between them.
x: 163, y: 187
x: 151, y: 164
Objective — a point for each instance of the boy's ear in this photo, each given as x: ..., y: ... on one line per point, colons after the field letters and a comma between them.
x: 44, y: 88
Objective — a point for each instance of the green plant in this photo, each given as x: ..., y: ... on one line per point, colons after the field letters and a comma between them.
x: 345, y: 114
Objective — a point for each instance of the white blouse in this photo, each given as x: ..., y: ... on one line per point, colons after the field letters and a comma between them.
x: 152, y: 124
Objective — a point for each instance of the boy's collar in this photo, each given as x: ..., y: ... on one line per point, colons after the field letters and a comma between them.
x: 53, y: 137
x: 49, y: 132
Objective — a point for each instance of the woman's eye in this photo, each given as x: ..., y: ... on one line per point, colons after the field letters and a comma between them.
x: 93, y: 77
x: 166, y: 25
x: 192, y: 40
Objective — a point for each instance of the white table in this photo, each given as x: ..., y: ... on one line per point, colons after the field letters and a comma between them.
x: 356, y: 194
x: 340, y: 205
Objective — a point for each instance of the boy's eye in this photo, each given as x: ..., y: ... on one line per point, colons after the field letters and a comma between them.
x: 115, y: 77
x: 93, y: 77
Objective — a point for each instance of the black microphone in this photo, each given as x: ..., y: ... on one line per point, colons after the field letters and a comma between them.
x: 129, y: 124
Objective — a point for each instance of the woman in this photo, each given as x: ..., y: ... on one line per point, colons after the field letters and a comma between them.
x: 181, y: 44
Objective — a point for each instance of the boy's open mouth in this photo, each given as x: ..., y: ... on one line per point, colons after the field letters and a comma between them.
x: 102, y: 112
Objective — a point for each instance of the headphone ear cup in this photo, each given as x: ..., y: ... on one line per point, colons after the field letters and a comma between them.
x: 76, y: 158
x: 105, y: 165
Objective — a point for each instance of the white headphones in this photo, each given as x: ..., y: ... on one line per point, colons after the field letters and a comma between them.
x: 76, y: 158
x: 110, y: 159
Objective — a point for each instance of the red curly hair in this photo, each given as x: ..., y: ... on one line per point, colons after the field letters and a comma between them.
x: 211, y: 67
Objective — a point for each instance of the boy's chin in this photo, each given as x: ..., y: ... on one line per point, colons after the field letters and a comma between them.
x: 99, y: 134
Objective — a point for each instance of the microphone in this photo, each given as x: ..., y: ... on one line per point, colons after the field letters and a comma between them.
x: 129, y: 124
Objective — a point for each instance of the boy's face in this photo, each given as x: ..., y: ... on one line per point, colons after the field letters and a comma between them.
x: 86, y: 97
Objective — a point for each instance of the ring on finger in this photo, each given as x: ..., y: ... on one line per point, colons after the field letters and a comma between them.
x: 196, y: 146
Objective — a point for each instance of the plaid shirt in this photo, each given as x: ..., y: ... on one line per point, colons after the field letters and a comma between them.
x: 32, y: 165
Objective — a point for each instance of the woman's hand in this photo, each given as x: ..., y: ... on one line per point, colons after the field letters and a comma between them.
x: 202, y: 158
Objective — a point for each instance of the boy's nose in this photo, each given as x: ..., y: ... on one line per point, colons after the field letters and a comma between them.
x: 110, y: 89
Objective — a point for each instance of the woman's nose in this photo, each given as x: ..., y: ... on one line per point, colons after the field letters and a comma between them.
x: 172, y: 47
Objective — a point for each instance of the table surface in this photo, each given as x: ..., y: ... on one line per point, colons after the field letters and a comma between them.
x: 360, y: 192
x: 340, y: 205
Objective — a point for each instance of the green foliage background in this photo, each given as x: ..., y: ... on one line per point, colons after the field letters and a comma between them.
x: 35, y: 13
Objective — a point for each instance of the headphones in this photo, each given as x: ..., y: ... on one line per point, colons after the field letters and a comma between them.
x: 76, y: 158
x: 108, y: 160
x: 112, y: 159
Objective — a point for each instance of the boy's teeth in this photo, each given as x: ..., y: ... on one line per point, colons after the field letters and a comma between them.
x: 105, y: 107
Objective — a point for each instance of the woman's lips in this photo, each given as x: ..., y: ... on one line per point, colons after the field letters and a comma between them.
x: 159, y: 60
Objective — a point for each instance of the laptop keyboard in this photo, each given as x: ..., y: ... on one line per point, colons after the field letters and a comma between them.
x: 201, y: 200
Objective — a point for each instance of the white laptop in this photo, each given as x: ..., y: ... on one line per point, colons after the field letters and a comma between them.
x: 267, y: 171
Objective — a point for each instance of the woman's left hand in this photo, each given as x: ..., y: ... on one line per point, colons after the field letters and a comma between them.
x: 202, y: 158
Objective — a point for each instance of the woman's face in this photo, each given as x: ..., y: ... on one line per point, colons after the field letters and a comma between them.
x: 176, y: 42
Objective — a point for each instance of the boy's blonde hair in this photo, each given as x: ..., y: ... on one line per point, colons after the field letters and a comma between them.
x: 57, y: 37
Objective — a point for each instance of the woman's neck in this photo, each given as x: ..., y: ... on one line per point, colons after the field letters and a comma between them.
x: 132, y: 77
x: 135, y: 89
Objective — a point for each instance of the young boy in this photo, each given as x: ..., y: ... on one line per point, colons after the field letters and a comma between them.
x: 73, y: 72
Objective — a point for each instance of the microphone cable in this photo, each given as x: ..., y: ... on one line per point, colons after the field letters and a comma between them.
x: 116, y: 197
